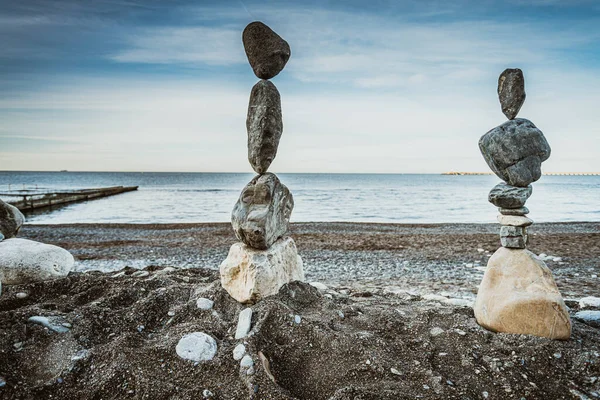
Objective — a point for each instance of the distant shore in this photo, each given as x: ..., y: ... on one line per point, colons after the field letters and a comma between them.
x: 428, y: 258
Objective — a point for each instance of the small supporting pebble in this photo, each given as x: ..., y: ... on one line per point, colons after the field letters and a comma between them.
x: 244, y: 322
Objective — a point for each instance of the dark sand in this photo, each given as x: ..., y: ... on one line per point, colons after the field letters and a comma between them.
x: 372, y: 335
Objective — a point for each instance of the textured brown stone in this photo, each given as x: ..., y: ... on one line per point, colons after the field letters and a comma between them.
x: 518, y: 295
x: 267, y: 52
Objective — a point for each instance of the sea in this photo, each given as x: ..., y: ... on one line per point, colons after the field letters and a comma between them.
x: 382, y: 198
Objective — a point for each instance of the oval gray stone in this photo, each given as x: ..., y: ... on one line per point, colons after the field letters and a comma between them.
x: 508, y: 196
x: 262, y: 213
x: 514, y: 211
x: 511, y: 91
x: 267, y: 52
x: 264, y: 124
x: 11, y: 220
x: 197, y: 346
x: 515, y: 151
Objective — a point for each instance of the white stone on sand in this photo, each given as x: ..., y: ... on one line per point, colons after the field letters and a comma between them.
x: 26, y: 261
x: 249, y: 274
x: 244, y: 322
x: 197, y: 346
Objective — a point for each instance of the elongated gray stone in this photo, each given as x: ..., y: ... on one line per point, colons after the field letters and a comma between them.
x: 11, y: 220
x: 511, y: 91
x: 514, y: 211
x: 262, y: 213
x: 515, y: 151
x: 508, y: 196
x: 267, y: 52
x: 264, y: 124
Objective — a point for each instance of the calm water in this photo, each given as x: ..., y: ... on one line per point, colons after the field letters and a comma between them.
x: 200, y: 197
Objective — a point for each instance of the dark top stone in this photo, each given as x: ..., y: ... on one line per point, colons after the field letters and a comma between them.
x: 11, y: 220
x: 262, y: 213
x: 515, y: 151
x: 264, y: 125
x: 508, y: 196
x: 511, y: 91
x: 267, y: 52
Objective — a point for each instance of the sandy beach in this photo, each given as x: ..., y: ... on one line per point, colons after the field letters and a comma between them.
x: 392, y: 321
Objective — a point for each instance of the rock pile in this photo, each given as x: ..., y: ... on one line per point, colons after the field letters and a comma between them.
x: 518, y: 293
x: 265, y: 259
x: 26, y: 261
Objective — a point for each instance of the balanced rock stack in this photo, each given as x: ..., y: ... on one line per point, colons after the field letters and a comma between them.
x: 26, y: 261
x: 265, y: 259
x: 518, y: 293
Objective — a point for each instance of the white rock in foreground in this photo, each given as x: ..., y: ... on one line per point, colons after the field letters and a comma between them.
x: 26, y: 261
x: 249, y: 274
x: 197, y: 346
x: 589, y: 302
x: 244, y: 323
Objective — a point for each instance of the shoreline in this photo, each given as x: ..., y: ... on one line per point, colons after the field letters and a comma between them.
x: 428, y: 258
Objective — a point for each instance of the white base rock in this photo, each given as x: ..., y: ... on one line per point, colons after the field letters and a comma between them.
x: 249, y: 274
x: 26, y: 261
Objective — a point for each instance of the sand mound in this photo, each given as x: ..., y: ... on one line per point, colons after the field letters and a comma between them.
x: 305, y: 344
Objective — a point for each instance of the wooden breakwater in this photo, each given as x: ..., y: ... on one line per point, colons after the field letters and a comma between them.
x: 27, y: 200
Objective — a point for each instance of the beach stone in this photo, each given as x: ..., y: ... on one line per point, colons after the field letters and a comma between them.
x: 204, y: 304
x: 244, y: 323
x: 511, y: 91
x: 267, y: 52
x: 264, y: 124
x: 54, y: 323
x: 239, y: 351
x: 11, y: 220
x: 515, y: 151
x: 518, y: 295
x: 514, y: 220
x: 508, y: 231
x: 514, y: 211
x: 508, y: 196
x: 262, y: 213
x: 249, y: 274
x: 26, y: 261
x: 589, y: 317
x: 514, y: 242
x: 197, y: 347
x: 589, y: 302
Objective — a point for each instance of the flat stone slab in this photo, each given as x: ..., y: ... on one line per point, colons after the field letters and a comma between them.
x: 508, y: 196
x: 518, y: 295
x: 249, y: 274
x: 26, y: 261
x: 514, y: 220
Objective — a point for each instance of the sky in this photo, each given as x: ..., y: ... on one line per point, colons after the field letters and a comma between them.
x: 405, y: 86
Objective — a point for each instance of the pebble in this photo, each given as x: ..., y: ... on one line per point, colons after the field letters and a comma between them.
x: 2, y: 382
x: 589, y: 302
x: 239, y: 351
x: 171, y: 313
x: 140, y: 274
x: 557, y: 355
x: 395, y: 371
x: 244, y: 322
x: 436, y: 331
x: 247, y: 362
x: 207, y: 394
x: 319, y: 285
x: 460, y: 332
x: 297, y: 319
x: 53, y: 323
x: 204, y: 304
x: 80, y: 355
x: 592, y: 318
x: 196, y: 346
x: 21, y: 295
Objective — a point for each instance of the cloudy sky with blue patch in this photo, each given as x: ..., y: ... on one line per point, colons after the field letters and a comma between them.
x: 372, y: 86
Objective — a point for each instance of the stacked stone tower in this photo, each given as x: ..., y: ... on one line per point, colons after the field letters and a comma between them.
x: 518, y: 293
x: 265, y: 259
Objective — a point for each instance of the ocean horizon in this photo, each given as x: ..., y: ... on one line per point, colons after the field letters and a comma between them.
x: 188, y: 197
